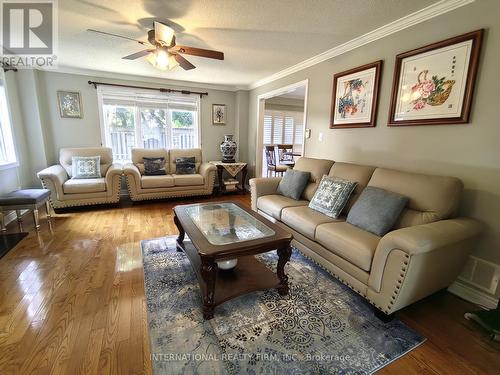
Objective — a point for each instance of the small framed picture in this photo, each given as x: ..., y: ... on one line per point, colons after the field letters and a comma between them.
x: 433, y: 85
x: 355, y: 97
x: 70, y: 104
x: 219, y: 114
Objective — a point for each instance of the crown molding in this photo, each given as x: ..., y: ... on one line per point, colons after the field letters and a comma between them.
x: 422, y: 15
x: 140, y: 78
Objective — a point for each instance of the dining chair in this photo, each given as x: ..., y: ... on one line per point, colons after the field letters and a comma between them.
x: 272, y: 164
x: 285, y: 155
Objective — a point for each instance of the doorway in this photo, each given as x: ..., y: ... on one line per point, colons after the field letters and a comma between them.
x: 281, y: 128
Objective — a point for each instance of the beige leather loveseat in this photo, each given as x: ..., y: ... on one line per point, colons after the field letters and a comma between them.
x: 68, y: 192
x: 171, y: 185
x: 424, y: 252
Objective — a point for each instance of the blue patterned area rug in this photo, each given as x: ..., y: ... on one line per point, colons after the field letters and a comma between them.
x: 321, y: 327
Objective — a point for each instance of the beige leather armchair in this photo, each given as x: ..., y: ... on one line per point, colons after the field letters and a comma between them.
x: 171, y: 185
x: 68, y: 192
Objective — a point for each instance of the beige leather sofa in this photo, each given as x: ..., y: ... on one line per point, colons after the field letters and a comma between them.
x: 67, y: 192
x: 424, y: 252
x: 171, y: 185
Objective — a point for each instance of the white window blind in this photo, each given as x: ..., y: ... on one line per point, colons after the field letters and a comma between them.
x: 131, y: 118
x: 7, y: 150
x: 283, y: 127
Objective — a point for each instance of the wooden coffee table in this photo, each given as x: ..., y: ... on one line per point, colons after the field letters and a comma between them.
x: 227, y: 230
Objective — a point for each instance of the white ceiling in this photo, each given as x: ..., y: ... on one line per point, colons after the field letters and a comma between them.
x: 258, y: 37
x: 298, y: 93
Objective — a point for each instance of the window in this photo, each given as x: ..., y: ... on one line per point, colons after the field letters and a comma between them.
x: 141, y: 119
x: 284, y: 127
x: 7, y: 150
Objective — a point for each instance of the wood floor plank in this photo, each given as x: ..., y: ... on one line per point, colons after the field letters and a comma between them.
x: 72, y: 301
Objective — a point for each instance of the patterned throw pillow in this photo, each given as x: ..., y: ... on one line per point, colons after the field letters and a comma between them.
x: 186, y: 165
x: 85, y: 167
x: 332, y: 195
x: 154, y: 166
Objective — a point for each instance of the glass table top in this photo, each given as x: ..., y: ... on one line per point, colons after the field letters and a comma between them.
x: 225, y: 223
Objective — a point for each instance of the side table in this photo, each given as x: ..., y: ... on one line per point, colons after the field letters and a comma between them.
x: 233, y: 169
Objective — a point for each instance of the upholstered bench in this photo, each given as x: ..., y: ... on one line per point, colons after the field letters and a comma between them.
x: 25, y: 199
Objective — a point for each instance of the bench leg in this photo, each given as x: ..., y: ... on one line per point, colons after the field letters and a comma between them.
x: 47, y: 207
x: 2, y: 222
x: 35, y: 217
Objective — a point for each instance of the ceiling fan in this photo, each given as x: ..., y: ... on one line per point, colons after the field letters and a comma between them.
x: 164, y: 53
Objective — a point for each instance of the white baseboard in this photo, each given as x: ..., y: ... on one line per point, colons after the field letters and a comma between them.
x: 471, y: 294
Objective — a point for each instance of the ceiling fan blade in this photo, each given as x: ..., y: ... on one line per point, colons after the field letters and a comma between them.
x: 138, y: 54
x: 118, y: 36
x: 199, y: 52
x: 163, y: 33
x: 186, y: 65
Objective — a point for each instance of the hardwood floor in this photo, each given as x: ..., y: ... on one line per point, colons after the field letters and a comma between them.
x: 72, y: 301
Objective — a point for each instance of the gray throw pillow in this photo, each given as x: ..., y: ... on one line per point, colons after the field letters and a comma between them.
x: 185, y: 165
x: 154, y: 166
x: 377, y: 210
x: 332, y: 195
x: 85, y: 167
x: 293, y: 183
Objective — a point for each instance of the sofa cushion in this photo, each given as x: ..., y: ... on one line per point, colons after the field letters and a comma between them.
x: 305, y: 220
x: 317, y: 168
x: 377, y: 210
x: 188, y: 179
x: 162, y: 181
x: 293, y: 183
x: 349, y: 242
x: 430, y: 198
x: 183, y: 153
x: 352, y: 172
x: 66, y: 154
x: 332, y: 195
x: 87, y: 185
x: 275, y: 203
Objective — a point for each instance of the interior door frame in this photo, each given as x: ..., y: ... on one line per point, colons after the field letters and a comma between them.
x: 260, y: 119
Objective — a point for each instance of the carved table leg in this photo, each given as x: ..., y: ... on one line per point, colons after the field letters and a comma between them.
x: 284, y: 254
x: 209, y: 274
x: 222, y: 187
x: 243, y: 179
x: 180, y: 237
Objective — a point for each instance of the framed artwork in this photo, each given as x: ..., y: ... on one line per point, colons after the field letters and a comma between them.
x: 219, y: 114
x: 70, y: 104
x: 355, y: 97
x: 433, y: 85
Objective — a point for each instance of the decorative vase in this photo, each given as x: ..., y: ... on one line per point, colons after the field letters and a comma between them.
x: 227, y: 265
x: 228, y: 149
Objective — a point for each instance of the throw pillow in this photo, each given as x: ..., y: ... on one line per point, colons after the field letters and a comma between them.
x: 85, y: 167
x: 154, y: 166
x: 185, y: 165
x: 377, y: 210
x: 332, y: 195
x: 293, y: 183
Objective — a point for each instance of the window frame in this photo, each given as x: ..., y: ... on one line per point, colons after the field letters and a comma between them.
x: 6, y: 130
x: 141, y: 99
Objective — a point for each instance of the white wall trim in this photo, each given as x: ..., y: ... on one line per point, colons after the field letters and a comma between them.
x: 471, y: 294
x: 422, y: 15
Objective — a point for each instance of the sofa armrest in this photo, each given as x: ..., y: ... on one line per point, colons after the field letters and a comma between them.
x: 53, y: 179
x: 262, y: 186
x: 206, y: 168
x: 113, y: 178
x: 448, y: 240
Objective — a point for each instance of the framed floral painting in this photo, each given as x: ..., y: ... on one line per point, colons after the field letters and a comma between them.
x: 433, y: 85
x: 70, y: 104
x: 355, y: 97
x: 219, y: 114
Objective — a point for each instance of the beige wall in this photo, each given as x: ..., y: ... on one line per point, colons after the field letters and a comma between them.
x: 470, y: 152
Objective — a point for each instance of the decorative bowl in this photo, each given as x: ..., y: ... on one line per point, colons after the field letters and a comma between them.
x: 227, y: 264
